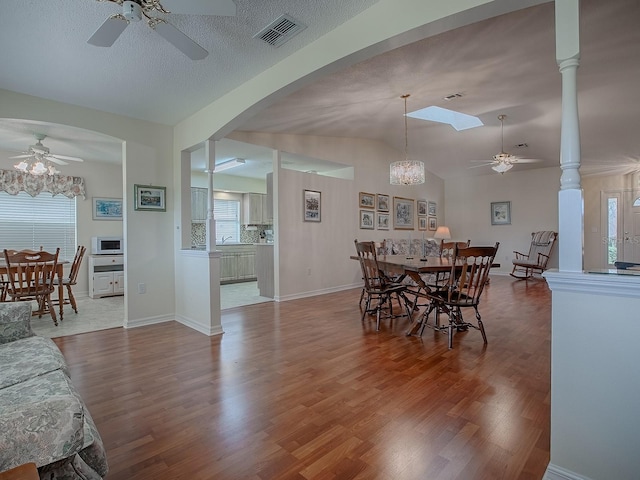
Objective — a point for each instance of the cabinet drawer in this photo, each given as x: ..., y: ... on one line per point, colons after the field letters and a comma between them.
x: 107, y: 260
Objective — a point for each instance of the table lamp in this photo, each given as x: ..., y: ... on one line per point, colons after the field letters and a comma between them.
x: 443, y: 233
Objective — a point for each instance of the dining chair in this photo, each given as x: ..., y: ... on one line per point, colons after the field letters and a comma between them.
x: 71, y: 280
x: 467, y: 279
x: 379, y: 289
x: 31, y: 275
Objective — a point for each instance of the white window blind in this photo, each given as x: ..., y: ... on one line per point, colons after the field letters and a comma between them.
x: 45, y: 221
x: 227, y: 215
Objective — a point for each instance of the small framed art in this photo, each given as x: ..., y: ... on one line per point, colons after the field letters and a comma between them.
x: 382, y: 202
x: 148, y: 197
x: 500, y: 213
x: 431, y: 209
x: 107, y: 208
x: 432, y: 223
x: 367, y: 200
x: 422, y: 208
x: 382, y: 221
x: 403, y: 213
x: 422, y: 223
x: 312, y: 206
x: 367, y: 218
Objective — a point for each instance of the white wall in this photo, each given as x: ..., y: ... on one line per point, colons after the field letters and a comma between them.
x: 595, y: 377
x: 534, y: 206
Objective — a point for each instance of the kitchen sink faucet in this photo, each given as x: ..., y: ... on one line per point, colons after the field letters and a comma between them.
x: 224, y: 239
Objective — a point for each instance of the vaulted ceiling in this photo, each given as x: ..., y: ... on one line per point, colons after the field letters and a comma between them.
x: 504, y: 65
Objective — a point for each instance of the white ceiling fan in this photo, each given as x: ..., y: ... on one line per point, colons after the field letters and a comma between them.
x: 134, y: 11
x: 41, y: 159
x: 504, y: 161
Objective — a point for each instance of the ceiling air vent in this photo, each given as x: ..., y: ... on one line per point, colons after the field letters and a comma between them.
x: 280, y: 30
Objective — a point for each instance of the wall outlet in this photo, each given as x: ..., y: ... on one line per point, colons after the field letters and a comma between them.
x: 142, y: 288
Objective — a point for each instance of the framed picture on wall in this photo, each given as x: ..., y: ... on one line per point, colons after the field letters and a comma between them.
x: 422, y: 208
x: 312, y: 206
x: 382, y: 204
x: 500, y: 213
x: 107, y: 208
x: 431, y: 209
x: 403, y: 213
x: 148, y: 197
x: 366, y: 219
x: 433, y: 223
x: 382, y: 221
x: 422, y: 223
x: 367, y: 200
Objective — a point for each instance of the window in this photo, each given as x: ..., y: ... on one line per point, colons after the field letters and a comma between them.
x: 42, y: 221
x: 227, y: 215
x: 612, y: 230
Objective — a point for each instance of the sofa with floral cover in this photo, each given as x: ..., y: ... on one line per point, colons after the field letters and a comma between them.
x: 42, y: 417
x: 415, y: 246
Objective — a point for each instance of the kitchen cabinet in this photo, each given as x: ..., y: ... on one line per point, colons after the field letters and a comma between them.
x: 254, y: 209
x: 106, y: 275
x: 198, y: 204
x: 237, y: 263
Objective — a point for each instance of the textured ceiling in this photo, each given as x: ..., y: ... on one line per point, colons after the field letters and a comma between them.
x: 505, y: 65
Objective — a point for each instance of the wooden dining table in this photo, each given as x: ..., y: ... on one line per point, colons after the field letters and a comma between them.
x: 400, y: 266
x: 59, y: 273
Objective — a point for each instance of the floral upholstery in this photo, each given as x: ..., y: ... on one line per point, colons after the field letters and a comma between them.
x: 400, y: 246
x: 42, y: 417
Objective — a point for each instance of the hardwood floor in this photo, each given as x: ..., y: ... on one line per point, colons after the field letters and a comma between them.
x: 303, y: 390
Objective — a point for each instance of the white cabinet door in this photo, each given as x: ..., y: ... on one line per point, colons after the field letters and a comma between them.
x: 246, y: 265
x: 118, y: 283
x: 102, y: 283
x: 228, y: 270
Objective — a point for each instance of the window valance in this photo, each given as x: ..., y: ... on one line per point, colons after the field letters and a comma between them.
x: 13, y: 182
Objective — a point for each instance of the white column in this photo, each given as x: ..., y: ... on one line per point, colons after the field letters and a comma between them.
x: 570, y: 197
x: 210, y: 159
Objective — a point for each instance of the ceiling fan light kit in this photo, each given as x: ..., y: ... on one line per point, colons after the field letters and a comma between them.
x: 406, y: 172
x: 38, y: 160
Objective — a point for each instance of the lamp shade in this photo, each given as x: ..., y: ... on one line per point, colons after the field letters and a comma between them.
x: 442, y: 232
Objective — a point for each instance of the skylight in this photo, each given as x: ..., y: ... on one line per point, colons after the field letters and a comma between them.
x: 459, y: 121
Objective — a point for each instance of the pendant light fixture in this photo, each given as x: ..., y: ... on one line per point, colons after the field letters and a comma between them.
x: 502, y: 161
x: 406, y: 172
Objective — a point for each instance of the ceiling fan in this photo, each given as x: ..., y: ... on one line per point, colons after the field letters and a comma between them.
x: 41, y: 159
x: 135, y: 10
x: 504, y: 161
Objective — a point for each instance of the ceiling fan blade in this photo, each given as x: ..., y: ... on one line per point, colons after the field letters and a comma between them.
x: 53, y: 159
x: 179, y: 40
x: 26, y: 155
x: 225, y: 8
x: 64, y: 157
x: 109, y: 31
x: 527, y: 160
x: 481, y: 165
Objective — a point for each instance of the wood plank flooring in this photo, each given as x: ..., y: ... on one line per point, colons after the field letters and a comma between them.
x: 304, y: 390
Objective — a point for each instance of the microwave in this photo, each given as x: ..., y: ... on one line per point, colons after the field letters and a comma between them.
x: 107, y: 245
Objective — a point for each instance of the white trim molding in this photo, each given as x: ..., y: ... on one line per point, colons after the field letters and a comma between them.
x: 609, y: 284
x: 555, y: 472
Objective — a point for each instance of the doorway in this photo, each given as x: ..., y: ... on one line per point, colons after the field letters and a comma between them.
x: 621, y: 223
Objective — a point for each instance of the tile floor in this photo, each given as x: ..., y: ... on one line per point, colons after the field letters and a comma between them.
x: 108, y: 312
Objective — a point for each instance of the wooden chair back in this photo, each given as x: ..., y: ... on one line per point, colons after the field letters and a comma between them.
x: 447, y: 248
x: 75, y: 266
x: 31, y: 273
x: 540, y: 249
x: 373, y: 279
x: 469, y: 274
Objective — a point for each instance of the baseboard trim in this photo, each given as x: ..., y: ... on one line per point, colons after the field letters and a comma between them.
x: 199, y: 327
x: 141, y: 322
x: 555, y: 472
x: 314, y: 293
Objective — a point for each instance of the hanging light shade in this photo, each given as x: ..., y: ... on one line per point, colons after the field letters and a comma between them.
x: 502, y: 161
x: 406, y: 172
